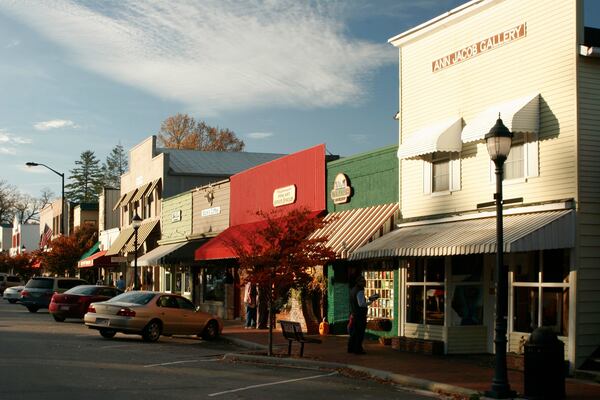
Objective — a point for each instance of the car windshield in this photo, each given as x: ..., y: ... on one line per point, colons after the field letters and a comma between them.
x: 40, y: 283
x: 133, y: 297
x: 84, y: 290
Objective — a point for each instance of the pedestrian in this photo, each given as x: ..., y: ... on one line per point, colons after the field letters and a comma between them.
x: 250, y: 298
x: 358, y: 317
x: 100, y: 280
x: 121, y: 283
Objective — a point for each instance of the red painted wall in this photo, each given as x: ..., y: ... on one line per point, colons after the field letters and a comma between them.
x: 252, y: 190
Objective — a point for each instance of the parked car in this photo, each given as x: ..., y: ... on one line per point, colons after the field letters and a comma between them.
x: 39, y: 290
x: 13, y: 293
x: 151, y: 314
x: 7, y: 280
x: 74, y: 302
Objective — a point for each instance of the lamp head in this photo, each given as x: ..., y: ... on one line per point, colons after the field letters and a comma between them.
x: 31, y: 164
x: 498, y: 141
x: 136, y: 221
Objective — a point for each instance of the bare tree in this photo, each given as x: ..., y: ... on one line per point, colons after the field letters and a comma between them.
x: 181, y: 131
x: 8, y: 198
x: 27, y: 208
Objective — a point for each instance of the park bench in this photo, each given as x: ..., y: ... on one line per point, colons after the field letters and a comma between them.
x: 292, y: 331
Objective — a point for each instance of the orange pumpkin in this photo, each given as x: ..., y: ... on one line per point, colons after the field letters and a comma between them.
x: 324, y: 327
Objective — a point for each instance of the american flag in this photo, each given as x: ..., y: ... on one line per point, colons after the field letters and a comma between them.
x: 45, y: 237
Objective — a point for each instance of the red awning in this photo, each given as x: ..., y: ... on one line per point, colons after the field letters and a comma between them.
x: 37, y: 264
x: 220, y: 248
x: 99, y: 259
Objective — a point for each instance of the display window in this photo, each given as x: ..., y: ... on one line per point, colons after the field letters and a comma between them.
x: 213, y: 284
x: 467, y: 290
x: 382, y: 283
x: 540, y: 291
x: 425, y: 291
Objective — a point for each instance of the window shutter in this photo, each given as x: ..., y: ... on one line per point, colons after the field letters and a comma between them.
x: 532, y: 156
x: 455, y: 173
x: 426, y: 177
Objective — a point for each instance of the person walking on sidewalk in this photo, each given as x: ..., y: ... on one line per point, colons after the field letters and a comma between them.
x: 250, y: 297
x: 358, y: 317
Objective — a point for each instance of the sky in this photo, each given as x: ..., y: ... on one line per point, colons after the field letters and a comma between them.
x: 284, y: 75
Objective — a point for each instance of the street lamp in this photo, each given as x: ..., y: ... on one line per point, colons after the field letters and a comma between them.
x: 62, y: 206
x: 136, y: 222
x: 499, y: 140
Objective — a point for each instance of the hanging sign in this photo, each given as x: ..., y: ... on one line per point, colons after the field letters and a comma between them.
x: 207, y: 212
x: 283, y: 196
x: 482, y: 46
x: 176, y: 216
x: 341, y: 189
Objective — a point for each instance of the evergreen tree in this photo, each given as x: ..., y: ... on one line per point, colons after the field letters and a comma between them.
x: 86, y: 179
x: 115, y: 165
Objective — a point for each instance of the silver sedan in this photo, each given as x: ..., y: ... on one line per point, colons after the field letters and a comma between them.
x: 12, y: 294
x: 151, y: 314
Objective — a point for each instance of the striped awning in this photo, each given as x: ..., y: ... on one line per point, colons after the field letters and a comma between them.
x: 141, y: 191
x: 143, y: 232
x: 522, y: 232
x: 442, y: 136
x: 118, y: 244
x: 519, y: 115
x: 346, y: 231
x: 128, y: 197
x: 152, y: 186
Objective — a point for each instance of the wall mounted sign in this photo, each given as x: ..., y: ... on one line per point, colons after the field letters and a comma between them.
x: 341, y: 189
x: 176, y: 216
x: 283, y: 196
x: 207, y: 212
x: 481, y: 46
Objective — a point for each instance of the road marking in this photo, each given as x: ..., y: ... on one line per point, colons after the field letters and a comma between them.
x: 180, y: 362
x: 271, y: 384
x: 114, y: 346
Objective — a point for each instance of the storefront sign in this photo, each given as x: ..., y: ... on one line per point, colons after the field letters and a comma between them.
x: 341, y: 189
x: 482, y: 46
x: 118, y: 259
x: 283, y: 196
x: 207, y: 212
x: 176, y: 216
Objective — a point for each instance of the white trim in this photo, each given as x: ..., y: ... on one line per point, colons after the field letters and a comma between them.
x: 589, y: 51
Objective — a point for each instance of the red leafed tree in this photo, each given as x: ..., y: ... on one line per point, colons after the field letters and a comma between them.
x: 67, y: 250
x: 19, y: 264
x: 280, y: 256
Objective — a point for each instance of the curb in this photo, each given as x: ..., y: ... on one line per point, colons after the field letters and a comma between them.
x: 404, y: 380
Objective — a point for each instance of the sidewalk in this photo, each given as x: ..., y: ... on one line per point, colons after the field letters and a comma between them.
x: 451, y: 374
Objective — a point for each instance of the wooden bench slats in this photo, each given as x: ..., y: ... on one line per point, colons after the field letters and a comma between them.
x: 292, y: 331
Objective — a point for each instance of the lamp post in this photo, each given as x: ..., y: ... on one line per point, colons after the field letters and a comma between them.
x: 62, y: 205
x: 136, y: 222
x: 499, y: 140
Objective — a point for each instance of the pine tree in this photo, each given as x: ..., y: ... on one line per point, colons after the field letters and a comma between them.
x: 86, y: 179
x: 115, y: 165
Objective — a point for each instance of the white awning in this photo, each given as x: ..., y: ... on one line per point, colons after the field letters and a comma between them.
x: 442, y: 136
x: 154, y: 256
x: 519, y: 115
x: 522, y: 232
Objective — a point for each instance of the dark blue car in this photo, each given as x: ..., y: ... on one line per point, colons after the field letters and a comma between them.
x: 39, y: 290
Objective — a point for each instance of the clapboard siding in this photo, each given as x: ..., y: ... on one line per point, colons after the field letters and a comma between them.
x: 588, y: 229
x: 179, y: 205
x: 210, y: 225
x: 430, y: 332
x: 472, y: 86
x: 466, y: 339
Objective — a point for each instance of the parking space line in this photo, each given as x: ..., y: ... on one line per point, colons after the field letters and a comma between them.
x: 180, y: 362
x: 271, y: 384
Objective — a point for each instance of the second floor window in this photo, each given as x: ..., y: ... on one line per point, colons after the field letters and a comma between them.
x: 514, y: 166
x: 440, y: 173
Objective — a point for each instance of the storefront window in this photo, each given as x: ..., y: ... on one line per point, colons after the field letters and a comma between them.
x: 214, y: 284
x: 548, y: 281
x: 381, y: 282
x: 425, y: 291
x: 467, y: 292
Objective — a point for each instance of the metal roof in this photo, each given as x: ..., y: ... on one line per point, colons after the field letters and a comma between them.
x: 214, y: 162
x: 347, y: 230
x: 522, y: 232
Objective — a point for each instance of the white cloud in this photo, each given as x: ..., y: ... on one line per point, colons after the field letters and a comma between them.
x: 8, y: 150
x: 216, y: 55
x: 9, y: 138
x: 54, y: 124
x: 259, y: 135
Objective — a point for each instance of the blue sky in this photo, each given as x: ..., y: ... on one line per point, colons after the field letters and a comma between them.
x: 283, y: 74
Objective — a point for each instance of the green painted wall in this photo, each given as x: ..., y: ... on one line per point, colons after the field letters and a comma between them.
x: 374, y: 179
x: 373, y: 176
x: 173, y: 231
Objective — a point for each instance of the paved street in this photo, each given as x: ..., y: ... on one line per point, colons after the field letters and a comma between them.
x: 45, y: 359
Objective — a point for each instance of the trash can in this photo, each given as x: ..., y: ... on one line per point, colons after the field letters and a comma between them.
x: 544, y: 369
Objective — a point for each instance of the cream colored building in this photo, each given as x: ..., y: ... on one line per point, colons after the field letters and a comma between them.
x: 532, y: 62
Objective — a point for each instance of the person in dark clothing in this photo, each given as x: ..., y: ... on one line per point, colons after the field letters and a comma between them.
x: 358, y: 308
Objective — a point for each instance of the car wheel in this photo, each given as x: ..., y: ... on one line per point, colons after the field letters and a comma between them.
x: 107, y: 333
x: 12, y: 301
x: 211, y: 331
x: 58, y: 318
x: 152, y: 331
x: 32, y: 308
